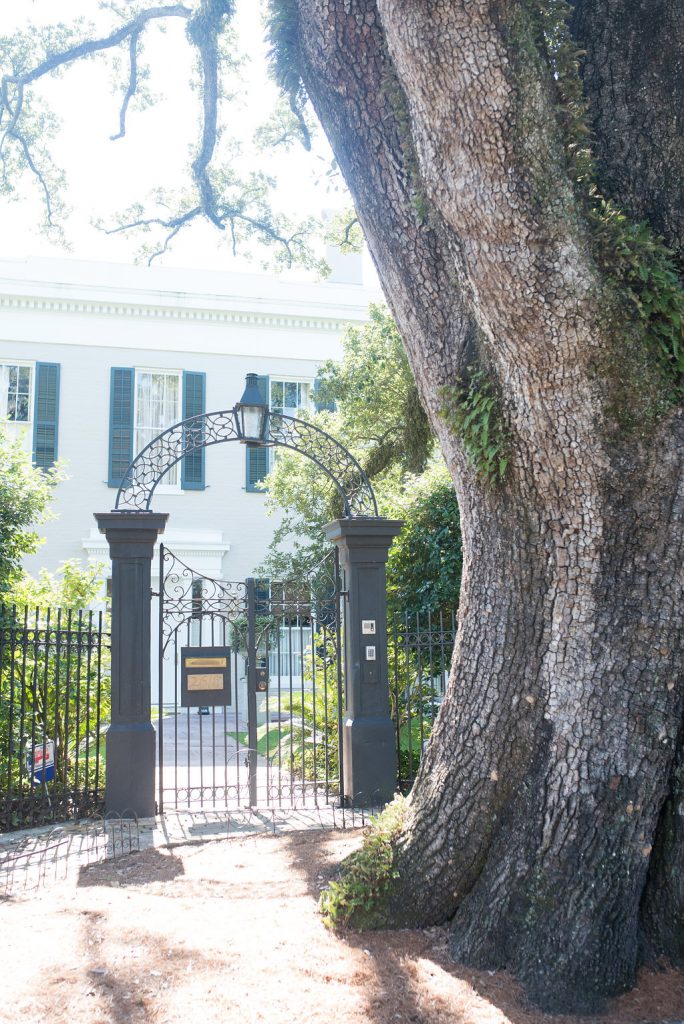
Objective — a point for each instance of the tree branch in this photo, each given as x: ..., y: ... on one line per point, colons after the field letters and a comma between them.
x: 173, y: 225
x: 225, y: 219
x: 12, y: 86
x: 132, y: 85
x: 203, y: 32
x: 303, y: 127
x: 90, y: 46
x: 204, y: 28
x: 37, y: 172
x: 14, y: 113
x: 347, y: 232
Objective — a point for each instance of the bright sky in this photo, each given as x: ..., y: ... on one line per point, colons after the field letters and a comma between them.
x: 105, y: 177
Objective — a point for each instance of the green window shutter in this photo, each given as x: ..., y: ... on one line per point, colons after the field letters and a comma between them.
x: 257, y: 467
x: 45, y: 414
x: 121, y: 394
x: 192, y: 466
x: 257, y: 458
x: 264, y: 388
x: 321, y: 406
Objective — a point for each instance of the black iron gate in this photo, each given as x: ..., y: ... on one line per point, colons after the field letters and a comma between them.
x: 250, y: 689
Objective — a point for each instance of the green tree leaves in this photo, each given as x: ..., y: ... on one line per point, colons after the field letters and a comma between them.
x: 380, y: 419
x: 25, y: 494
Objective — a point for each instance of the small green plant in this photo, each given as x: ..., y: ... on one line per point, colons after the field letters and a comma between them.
x: 359, y: 897
x: 648, y: 286
x: 472, y: 409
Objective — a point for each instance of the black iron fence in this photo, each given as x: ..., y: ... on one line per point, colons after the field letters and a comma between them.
x: 420, y: 647
x: 55, y: 706
x: 54, y: 710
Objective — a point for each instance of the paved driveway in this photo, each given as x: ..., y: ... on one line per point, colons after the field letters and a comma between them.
x: 204, y: 767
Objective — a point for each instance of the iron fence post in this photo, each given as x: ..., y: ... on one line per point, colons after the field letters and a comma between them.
x: 339, y: 634
x: 160, y: 680
x: 251, y: 690
x: 370, y: 758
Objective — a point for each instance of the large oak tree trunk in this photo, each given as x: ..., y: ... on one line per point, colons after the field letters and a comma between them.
x: 546, y: 821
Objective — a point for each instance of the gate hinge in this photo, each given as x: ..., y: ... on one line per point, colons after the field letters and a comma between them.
x: 154, y: 593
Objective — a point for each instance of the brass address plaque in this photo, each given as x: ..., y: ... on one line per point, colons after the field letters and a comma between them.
x: 205, y: 662
x: 204, y: 682
x: 205, y: 677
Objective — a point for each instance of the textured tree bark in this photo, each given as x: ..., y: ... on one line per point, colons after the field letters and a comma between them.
x: 633, y: 73
x: 545, y: 817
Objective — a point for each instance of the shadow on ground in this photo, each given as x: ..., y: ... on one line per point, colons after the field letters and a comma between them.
x: 122, y: 994
x: 140, y: 868
x: 413, y: 968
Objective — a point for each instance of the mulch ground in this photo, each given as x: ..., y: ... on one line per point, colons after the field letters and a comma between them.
x: 229, y: 931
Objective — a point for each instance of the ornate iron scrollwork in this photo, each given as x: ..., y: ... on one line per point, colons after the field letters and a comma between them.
x: 332, y: 457
x: 162, y: 453
x: 185, y: 594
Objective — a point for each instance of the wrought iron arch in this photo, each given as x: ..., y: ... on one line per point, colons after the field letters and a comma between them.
x: 155, y: 460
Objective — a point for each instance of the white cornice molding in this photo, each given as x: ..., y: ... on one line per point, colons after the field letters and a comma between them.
x: 182, y: 545
x: 181, y: 314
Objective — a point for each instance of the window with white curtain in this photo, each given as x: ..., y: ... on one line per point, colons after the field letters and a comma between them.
x: 288, y: 652
x: 288, y: 398
x: 157, y: 406
x: 16, y: 401
x: 16, y: 382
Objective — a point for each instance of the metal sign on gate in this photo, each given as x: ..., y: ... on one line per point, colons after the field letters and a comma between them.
x: 205, y: 677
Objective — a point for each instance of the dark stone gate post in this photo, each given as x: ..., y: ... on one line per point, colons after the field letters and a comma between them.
x: 369, y: 735
x: 130, y: 776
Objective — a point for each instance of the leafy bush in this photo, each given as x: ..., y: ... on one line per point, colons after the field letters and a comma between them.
x: 25, y: 494
x: 307, y: 742
x: 359, y: 897
x: 54, y: 685
x: 425, y: 562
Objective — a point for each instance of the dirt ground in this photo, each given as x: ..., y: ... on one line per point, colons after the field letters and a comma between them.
x: 228, y: 931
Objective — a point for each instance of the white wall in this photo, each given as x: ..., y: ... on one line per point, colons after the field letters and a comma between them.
x: 89, y: 317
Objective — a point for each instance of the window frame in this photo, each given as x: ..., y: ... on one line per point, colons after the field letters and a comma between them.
x: 308, y: 381
x: 25, y: 424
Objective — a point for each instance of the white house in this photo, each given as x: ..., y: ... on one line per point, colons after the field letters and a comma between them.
x: 96, y: 359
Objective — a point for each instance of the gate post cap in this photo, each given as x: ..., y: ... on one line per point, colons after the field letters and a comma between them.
x: 363, y: 531
x: 130, y: 522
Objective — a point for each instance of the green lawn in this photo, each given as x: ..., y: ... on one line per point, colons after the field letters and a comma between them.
x: 267, y: 743
x: 415, y: 735
x: 92, y: 750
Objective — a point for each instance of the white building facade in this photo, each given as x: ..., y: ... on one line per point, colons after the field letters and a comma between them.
x: 96, y: 359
